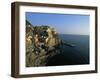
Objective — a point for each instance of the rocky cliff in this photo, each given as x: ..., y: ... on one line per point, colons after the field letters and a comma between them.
x: 42, y: 44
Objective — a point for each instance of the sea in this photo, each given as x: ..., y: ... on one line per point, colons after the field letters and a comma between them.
x: 76, y: 55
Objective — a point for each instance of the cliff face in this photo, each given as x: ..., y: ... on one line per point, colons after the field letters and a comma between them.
x: 41, y: 45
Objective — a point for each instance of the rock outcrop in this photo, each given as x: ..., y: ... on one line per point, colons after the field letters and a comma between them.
x: 42, y: 44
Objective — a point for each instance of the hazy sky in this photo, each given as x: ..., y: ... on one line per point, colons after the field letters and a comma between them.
x: 63, y: 23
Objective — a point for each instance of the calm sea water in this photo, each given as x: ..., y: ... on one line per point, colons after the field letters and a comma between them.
x: 79, y: 54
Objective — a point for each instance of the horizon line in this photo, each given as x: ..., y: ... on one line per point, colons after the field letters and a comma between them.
x: 74, y: 34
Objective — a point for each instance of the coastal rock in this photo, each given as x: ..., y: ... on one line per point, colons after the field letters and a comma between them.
x: 41, y: 45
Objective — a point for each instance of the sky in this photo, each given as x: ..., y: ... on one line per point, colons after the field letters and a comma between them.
x: 62, y: 23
